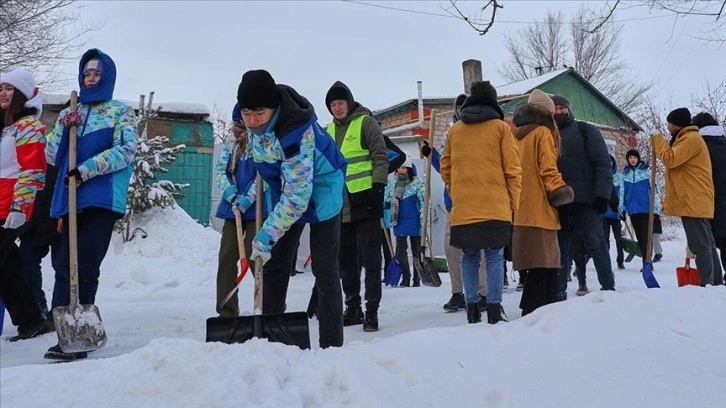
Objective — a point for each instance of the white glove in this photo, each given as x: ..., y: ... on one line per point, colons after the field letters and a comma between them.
x: 264, y: 255
x: 653, y: 132
x: 15, y: 220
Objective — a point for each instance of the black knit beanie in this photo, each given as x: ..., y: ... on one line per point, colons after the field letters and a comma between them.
x: 339, y: 91
x: 257, y: 90
x: 680, y: 117
x: 484, y: 88
x: 460, y: 100
x: 632, y: 152
x: 560, y: 100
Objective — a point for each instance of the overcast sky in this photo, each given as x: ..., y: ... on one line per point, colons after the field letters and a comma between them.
x: 190, y: 51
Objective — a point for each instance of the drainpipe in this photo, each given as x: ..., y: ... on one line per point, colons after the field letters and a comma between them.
x: 421, y: 118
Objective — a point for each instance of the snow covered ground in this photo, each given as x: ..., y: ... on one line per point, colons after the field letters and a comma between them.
x: 633, y: 347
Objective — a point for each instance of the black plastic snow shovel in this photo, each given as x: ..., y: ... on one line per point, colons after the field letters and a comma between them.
x: 79, y: 327
x: 286, y: 328
x: 425, y: 265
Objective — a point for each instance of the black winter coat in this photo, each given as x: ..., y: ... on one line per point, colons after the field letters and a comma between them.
x: 585, y: 162
x: 716, y: 144
x: 42, y: 229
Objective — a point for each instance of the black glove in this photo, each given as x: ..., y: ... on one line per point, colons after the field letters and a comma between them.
x: 600, y: 205
x: 375, y: 198
x: 73, y: 173
x: 622, y: 216
x: 425, y: 149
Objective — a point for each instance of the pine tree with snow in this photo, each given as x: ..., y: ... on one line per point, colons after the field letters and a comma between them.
x: 146, y: 190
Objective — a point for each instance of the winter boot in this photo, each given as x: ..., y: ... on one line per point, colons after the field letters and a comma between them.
x: 455, y: 303
x: 352, y: 316
x: 370, y: 323
x: 657, y: 257
x: 582, y: 290
x: 473, y: 314
x: 506, y: 281
x: 55, y: 353
x: 494, y: 313
x: 621, y: 265
x: 31, y: 331
x: 520, y: 284
x: 483, y: 304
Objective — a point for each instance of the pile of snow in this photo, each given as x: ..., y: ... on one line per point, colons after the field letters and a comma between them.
x: 632, y: 347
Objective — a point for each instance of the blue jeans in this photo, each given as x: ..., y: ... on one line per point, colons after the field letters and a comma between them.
x: 584, y: 223
x: 470, y: 260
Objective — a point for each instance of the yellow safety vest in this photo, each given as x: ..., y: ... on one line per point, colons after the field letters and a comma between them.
x: 359, y: 175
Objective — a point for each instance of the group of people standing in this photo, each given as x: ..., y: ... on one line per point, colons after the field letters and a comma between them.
x: 34, y: 199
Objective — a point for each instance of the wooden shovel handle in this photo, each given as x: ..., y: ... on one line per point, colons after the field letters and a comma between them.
x: 427, y: 185
x: 72, y: 215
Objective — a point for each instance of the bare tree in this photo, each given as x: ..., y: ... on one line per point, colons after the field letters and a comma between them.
x: 39, y: 35
x: 547, y: 46
x: 222, y: 125
x: 713, y: 12
x: 714, y: 101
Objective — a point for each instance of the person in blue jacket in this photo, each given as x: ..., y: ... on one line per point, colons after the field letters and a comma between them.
x: 453, y: 255
x: 107, y: 142
x: 235, y: 175
x: 305, y: 172
x: 635, y: 197
x: 405, y: 197
x: 611, y: 218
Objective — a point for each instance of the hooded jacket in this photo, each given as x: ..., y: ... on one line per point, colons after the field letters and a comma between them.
x: 688, y: 177
x: 480, y: 164
x: 540, y: 176
x: 410, y: 208
x: 107, y: 142
x: 357, y: 206
x: 302, y: 165
x: 634, y: 194
x: 716, y: 143
x: 585, y: 162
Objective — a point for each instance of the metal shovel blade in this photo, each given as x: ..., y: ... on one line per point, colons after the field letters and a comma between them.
x: 80, y: 329
x: 428, y: 273
x: 286, y: 328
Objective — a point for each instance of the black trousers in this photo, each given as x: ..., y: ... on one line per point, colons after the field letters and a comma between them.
x: 640, y: 227
x: 402, y: 257
x: 540, y: 288
x: 615, y: 225
x: 360, y: 243
x: 15, y: 291
x: 95, y: 227
x: 324, y: 242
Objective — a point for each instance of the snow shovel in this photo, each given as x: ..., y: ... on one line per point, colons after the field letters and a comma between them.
x: 648, y: 276
x: 685, y: 275
x: 79, y: 327
x: 425, y: 266
x: 394, y: 270
x: 286, y: 328
x: 630, y: 245
x: 244, y: 266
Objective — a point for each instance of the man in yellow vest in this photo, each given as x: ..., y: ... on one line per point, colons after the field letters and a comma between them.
x: 360, y: 139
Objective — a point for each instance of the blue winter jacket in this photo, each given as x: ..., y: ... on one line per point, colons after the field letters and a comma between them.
x: 436, y: 163
x: 617, y: 183
x: 107, y: 142
x: 246, y: 187
x: 409, y: 208
x: 302, y: 165
x: 635, y: 190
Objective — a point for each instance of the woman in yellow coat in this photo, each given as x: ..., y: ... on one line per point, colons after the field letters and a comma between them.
x: 534, y: 242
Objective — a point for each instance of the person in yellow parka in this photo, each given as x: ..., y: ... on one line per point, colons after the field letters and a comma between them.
x: 480, y: 167
x: 689, y: 190
x: 535, y: 249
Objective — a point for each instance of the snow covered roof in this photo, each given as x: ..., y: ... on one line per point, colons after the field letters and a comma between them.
x: 525, y: 86
x: 180, y: 108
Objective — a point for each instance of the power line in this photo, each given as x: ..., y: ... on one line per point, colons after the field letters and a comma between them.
x: 498, y: 21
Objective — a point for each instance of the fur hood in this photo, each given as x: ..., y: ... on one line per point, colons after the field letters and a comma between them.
x: 527, y: 117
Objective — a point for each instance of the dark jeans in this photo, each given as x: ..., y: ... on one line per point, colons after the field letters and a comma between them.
x: 360, y: 243
x: 584, y: 222
x: 324, y: 242
x: 386, y: 254
x: 540, y: 288
x: 33, y: 255
x: 95, y: 227
x: 640, y: 227
x: 402, y: 257
x: 616, y: 226
x: 15, y: 292
x: 701, y: 242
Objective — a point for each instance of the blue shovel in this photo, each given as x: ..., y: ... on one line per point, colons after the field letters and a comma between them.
x: 648, y: 276
x: 394, y: 270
